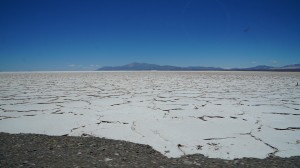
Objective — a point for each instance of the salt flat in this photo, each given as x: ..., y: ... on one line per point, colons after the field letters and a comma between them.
x: 218, y: 114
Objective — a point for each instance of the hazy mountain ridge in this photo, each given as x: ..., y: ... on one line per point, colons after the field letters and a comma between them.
x: 148, y: 67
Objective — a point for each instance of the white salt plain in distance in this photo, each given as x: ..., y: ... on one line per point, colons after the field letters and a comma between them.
x: 218, y: 114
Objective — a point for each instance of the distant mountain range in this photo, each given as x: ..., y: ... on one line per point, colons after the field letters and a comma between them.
x: 153, y: 67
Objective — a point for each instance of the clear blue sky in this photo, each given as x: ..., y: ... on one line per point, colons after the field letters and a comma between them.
x: 84, y: 35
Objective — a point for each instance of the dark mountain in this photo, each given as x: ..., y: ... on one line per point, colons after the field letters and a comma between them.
x: 260, y: 67
x: 293, y: 66
x: 198, y: 68
x: 256, y: 68
x: 290, y: 68
x: 149, y: 67
x: 146, y: 67
x: 138, y: 67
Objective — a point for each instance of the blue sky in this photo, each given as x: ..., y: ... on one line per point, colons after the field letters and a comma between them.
x: 85, y: 35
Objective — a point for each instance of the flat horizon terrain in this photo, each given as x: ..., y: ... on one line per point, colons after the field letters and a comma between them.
x: 224, y: 115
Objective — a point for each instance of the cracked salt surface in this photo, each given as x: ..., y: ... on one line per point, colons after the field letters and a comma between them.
x: 218, y: 114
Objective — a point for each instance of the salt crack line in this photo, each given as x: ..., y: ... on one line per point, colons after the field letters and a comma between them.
x: 281, y: 113
x: 203, y: 117
x: 133, y: 128
x: 208, y: 139
x: 258, y: 139
x: 7, y: 117
x: 77, y: 128
x: 288, y: 128
x: 179, y: 146
x: 111, y: 122
x: 159, y: 134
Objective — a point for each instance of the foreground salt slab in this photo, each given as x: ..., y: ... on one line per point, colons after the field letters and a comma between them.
x: 218, y: 114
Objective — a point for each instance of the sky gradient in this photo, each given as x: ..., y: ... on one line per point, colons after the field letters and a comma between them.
x: 85, y: 35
